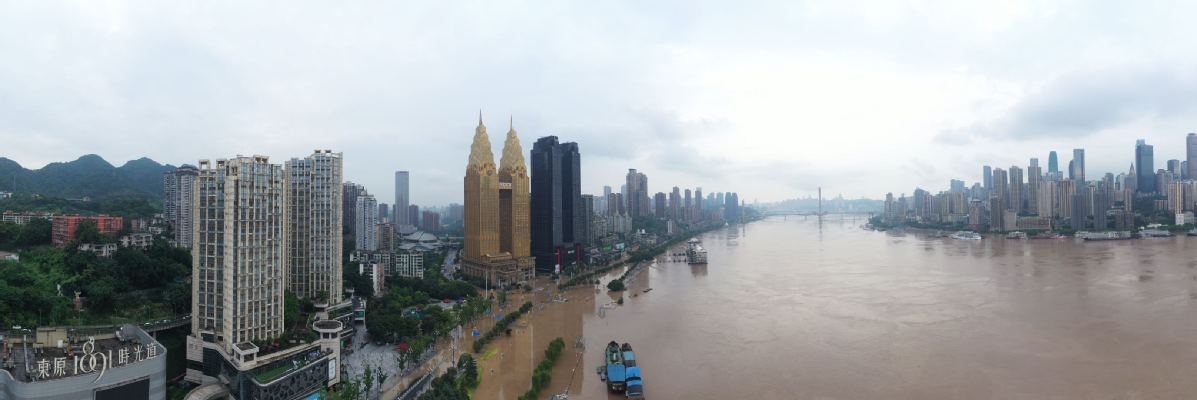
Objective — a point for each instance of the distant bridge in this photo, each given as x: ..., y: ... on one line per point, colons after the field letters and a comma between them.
x: 771, y: 213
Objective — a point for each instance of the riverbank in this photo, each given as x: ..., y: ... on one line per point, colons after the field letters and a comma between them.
x: 558, y: 311
x: 555, y: 313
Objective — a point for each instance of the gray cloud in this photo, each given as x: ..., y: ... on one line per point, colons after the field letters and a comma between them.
x: 1081, y: 104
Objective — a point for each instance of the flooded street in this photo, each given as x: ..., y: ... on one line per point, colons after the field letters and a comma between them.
x: 787, y: 309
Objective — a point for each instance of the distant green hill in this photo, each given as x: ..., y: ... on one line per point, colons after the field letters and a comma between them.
x: 88, y: 176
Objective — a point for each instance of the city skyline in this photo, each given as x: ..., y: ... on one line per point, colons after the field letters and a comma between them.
x: 1140, y: 152
x: 691, y: 97
x: 242, y: 200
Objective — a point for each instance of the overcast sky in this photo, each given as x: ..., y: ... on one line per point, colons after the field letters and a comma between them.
x: 770, y: 99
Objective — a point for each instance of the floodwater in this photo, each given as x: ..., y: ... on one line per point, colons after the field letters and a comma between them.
x: 795, y: 309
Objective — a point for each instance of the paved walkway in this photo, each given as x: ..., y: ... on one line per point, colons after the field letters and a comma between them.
x: 445, y: 356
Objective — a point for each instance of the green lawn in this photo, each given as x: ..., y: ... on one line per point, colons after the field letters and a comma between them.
x: 273, y: 373
x: 489, y: 353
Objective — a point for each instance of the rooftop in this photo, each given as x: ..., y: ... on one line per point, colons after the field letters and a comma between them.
x: 31, y: 361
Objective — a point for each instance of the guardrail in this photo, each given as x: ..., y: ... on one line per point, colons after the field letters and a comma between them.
x: 150, y: 326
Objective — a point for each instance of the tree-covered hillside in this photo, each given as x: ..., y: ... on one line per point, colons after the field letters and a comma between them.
x: 88, y: 176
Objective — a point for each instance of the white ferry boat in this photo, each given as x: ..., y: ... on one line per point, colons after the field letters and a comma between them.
x: 966, y: 235
x: 1110, y: 235
x: 1154, y: 233
x: 695, y: 254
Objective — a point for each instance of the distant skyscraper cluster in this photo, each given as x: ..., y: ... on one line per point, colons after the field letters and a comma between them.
x: 1017, y: 199
x: 677, y: 207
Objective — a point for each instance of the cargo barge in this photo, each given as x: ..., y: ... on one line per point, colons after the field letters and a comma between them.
x: 621, y: 372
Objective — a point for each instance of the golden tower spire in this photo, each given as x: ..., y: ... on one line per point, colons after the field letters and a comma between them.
x: 512, y: 159
x: 480, y: 151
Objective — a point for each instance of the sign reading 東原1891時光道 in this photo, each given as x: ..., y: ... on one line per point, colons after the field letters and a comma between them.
x: 90, y: 361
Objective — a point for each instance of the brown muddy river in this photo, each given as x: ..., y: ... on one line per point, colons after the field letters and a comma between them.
x: 787, y: 309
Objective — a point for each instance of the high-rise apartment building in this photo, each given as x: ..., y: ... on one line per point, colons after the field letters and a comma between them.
x: 497, y: 244
x: 402, y: 199
x: 987, y: 178
x: 413, y: 215
x: 688, y: 206
x: 1191, y: 156
x: 1015, y: 197
x: 456, y: 211
x: 366, y: 231
x: 1078, y: 166
x: 1163, y: 178
x: 675, y: 204
x: 349, y: 205
x: 250, y: 217
x: 1034, y: 176
x: 430, y: 221
x: 388, y: 239
x: 178, y: 202
x: 1080, y: 208
x: 731, y: 209
x: 1173, y: 166
x: 384, y: 212
x: 239, y: 262
x: 314, y: 226
x: 1000, y: 191
x: 660, y: 205
x: 588, y: 216
x: 1145, y: 164
x: 1045, y: 198
x: 556, y: 204
x: 637, y: 193
x: 615, y: 204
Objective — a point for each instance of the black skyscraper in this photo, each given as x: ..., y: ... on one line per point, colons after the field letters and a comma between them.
x: 556, y: 207
x: 1145, y: 164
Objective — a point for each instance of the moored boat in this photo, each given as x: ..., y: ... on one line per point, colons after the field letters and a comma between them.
x: 613, y: 371
x: 1154, y: 233
x: 1049, y: 235
x: 695, y: 254
x: 966, y: 235
x: 633, y: 383
x: 1097, y: 236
